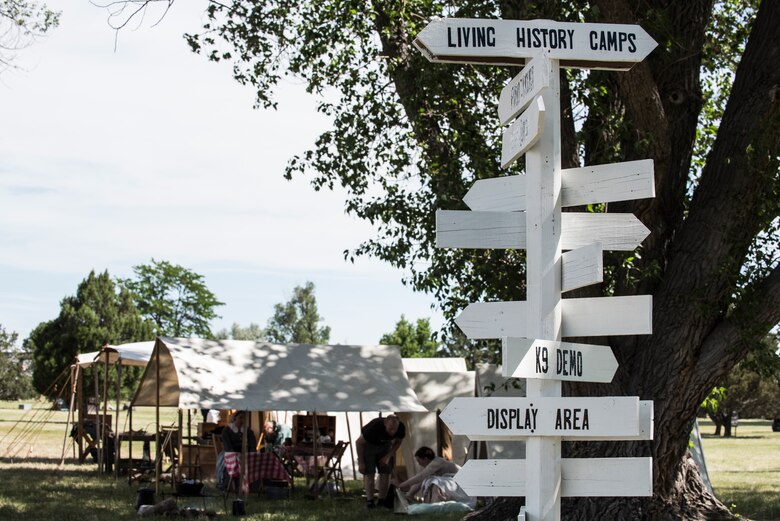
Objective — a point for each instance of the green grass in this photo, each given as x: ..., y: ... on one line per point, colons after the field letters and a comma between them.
x: 36, y: 488
x: 744, y: 471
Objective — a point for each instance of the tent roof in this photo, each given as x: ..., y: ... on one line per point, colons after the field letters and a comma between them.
x: 232, y: 374
x: 434, y: 365
x: 136, y: 353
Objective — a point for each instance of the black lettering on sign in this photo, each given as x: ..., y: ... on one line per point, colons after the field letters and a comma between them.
x: 568, y: 362
x: 614, y: 41
x: 522, y: 87
x: 541, y: 38
x: 471, y: 36
x: 541, y: 361
x: 572, y: 419
x: 512, y: 419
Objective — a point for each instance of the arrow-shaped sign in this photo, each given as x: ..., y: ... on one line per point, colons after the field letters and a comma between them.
x: 580, y: 477
x: 579, y: 186
x: 510, y: 42
x: 551, y: 360
x: 468, y: 229
x: 582, y: 267
x: 595, y: 316
x: 646, y: 421
x: 523, y: 133
x: 523, y: 88
x: 510, y: 418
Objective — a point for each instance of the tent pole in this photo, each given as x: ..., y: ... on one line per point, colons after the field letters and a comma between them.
x: 179, y: 444
x: 351, y: 453
x: 158, y: 458
x: 189, y: 442
x: 116, y: 429
x: 95, y: 368
x: 81, y: 406
x: 104, y: 425
x: 315, y: 441
x: 70, y: 410
x: 130, y: 444
x: 244, y: 457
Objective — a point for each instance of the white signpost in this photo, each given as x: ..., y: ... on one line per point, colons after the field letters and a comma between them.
x: 527, y: 358
x: 524, y: 212
x: 467, y: 229
x: 508, y: 418
x: 605, y: 477
x: 510, y: 42
x: 579, y: 186
x: 591, y: 316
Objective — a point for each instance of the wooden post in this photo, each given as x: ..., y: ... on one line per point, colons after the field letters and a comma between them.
x: 116, y: 428
x: 543, y: 282
x: 158, y: 458
x: 103, y: 423
x: 179, y: 445
x: 95, y: 368
x: 82, y: 404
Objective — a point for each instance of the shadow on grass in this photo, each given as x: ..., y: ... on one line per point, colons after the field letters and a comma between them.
x: 756, y: 506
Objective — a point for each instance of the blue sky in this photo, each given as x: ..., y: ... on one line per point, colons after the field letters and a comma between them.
x: 109, y: 158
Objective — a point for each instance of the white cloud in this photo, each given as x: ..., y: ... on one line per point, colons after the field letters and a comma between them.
x: 108, y: 159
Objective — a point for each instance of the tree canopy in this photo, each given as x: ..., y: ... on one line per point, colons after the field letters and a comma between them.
x: 251, y: 332
x: 415, y: 339
x: 297, y: 320
x: 97, y: 315
x: 410, y: 137
x: 175, y: 298
x: 21, y: 21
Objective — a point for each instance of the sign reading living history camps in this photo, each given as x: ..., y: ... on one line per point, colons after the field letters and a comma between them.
x: 511, y: 42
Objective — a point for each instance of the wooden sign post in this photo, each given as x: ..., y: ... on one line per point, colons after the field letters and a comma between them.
x: 525, y: 212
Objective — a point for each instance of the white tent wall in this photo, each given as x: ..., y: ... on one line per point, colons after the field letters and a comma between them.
x: 435, y: 382
x: 435, y: 390
x: 490, y: 382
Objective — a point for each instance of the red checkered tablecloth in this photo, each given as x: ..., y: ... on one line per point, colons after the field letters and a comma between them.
x: 261, y: 465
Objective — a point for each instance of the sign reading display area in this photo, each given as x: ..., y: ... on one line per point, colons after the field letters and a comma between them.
x: 505, y: 418
x: 586, y: 45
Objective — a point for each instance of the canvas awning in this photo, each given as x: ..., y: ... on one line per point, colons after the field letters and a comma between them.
x: 232, y: 374
x: 136, y: 353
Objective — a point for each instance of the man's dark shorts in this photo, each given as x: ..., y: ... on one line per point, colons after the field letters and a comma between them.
x: 372, y: 454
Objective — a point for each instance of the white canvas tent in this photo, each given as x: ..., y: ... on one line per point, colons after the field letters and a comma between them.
x: 490, y: 382
x: 134, y: 354
x: 231, y: 374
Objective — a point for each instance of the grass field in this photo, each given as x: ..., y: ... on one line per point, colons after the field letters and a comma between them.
x: 744, y: 470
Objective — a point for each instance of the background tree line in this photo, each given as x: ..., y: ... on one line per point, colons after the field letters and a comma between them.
x: 162, y: 299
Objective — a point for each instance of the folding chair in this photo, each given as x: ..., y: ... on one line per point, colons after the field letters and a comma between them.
x: 331, y: 472
x: 232, y: 485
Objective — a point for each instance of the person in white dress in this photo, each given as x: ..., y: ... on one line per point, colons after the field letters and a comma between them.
x: 435, y: 482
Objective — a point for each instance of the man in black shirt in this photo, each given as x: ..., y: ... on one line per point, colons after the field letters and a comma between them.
x: 379, y: 440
